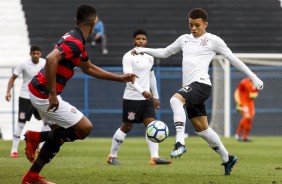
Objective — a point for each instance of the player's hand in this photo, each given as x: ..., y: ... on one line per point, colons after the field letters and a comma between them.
x: 238, y: 107
x: 136, y: 51
x: 258, y: 83
x: 53, y: 103
x: 253, y: 95
x: 8, y: 97
x: 147, y: 95
x: 157, y: 103
x: 129, y: 77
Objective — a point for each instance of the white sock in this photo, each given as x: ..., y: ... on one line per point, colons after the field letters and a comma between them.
x: 179, y: 118
x: 153, y: 147
x: 117, y: 140
x: 17, y: 137
x: 215, y: 143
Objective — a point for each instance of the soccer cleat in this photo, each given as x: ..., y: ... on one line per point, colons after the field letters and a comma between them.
x: 112, y: 160
x: 32, y: 141
x: 229, y: 165
x: 237, y: 137
x: 246, y: 140
x: 14, y: 155
x: 30, y: 179
x: 158, y: 161
x: 178, y: 150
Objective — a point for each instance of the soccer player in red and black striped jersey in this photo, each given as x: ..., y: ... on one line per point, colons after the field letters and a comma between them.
x: 67, y: 123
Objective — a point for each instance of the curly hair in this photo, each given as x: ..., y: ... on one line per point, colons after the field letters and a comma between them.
x: 198, y: 13
x: 85, y: 13
x: 139, y: 31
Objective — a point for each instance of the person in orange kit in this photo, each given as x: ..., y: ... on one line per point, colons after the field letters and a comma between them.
x: 244, y: 96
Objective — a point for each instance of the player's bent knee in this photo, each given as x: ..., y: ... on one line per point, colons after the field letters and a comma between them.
x: 83, y: 127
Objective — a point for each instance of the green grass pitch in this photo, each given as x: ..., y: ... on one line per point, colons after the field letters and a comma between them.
x: 84, y: 162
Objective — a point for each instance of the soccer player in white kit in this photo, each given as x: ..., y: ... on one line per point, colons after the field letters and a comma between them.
x: 198, y: 49
x: 28, y: 69
x: 140, y: 100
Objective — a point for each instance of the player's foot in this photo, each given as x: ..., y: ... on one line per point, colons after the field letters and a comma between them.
x: 229, y: 165
x: 112, y: 160
x: 32, y: 141
x: 105, y: 51
x: 14, y: 155
x: 34, y: 179
x: 246, y: 140
x: 157, y: 161
x: 178, y: 150
x: 237, y: 137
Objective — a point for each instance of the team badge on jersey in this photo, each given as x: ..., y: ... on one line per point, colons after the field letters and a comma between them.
x: 204, y: 42
x: 131, y: 116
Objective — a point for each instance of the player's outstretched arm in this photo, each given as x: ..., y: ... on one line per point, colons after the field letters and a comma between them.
x: 243, y: 68
x: 98, y: 72
x: 158, y: 53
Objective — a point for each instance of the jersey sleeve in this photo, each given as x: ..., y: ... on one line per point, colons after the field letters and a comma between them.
x: 221, y: 47
x: 127, y: 68
x: 84, y: 57
x: 241, y: 86
x: 71, y: 47
x: 126, y: 64
x: 173, y: 48
x: 19, y: 69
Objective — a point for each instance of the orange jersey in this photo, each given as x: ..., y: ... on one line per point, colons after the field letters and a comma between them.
x: 246, y: 88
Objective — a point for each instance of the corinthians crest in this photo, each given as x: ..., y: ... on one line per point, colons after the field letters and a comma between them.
x: 22, y: 115
x: 131, y: 116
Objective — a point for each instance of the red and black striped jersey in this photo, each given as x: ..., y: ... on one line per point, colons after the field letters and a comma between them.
x: 72, y: 50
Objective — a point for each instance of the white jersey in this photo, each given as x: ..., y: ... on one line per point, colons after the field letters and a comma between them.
x: 197, y: 55
x: 28, y: 70
x: 141, y: 65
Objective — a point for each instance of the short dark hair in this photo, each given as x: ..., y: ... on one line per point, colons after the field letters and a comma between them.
x: 139, y: 31
x: 35, y: 48
x: 84, y: 13
x: 198, y: 13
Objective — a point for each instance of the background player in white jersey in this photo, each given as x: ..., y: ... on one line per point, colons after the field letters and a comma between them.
x: 198, y: 49
x: 139, y: 100
x: 28, y: 69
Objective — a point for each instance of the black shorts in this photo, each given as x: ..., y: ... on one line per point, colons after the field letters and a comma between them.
x: 195, y: 95
x: 135, y: 111
x: 26, y: 110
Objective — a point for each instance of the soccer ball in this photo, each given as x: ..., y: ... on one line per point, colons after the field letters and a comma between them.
x: 157, y: 131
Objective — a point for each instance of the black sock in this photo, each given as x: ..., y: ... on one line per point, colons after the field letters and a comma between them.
x: 47, y: 153
x: 60, y: 135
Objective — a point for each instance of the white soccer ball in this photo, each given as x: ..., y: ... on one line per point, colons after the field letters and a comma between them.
x: 157, y: 131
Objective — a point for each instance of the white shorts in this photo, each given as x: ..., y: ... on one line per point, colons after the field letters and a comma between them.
x: 65, y: 116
